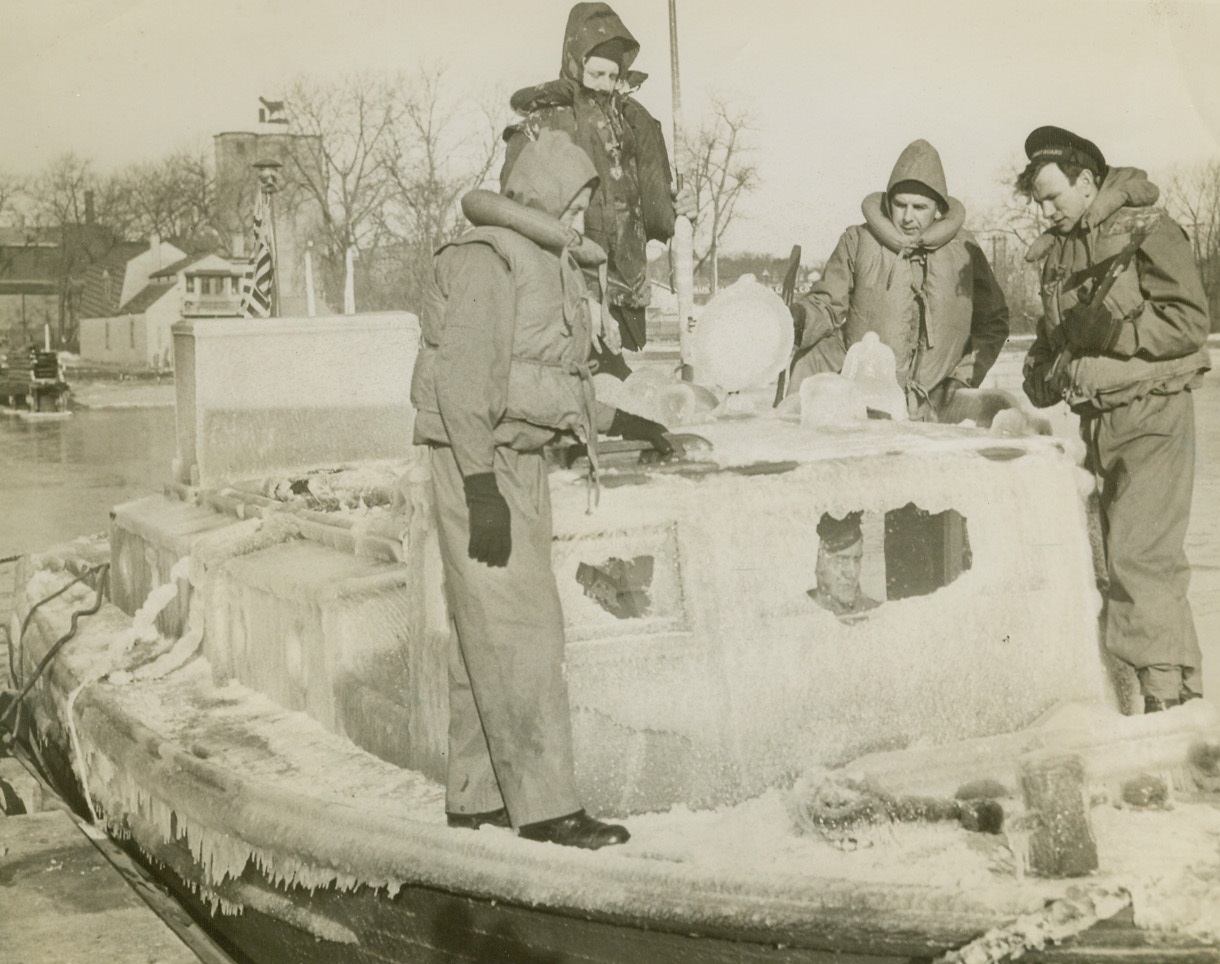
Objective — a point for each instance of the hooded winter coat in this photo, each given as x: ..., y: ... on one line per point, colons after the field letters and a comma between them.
x: 505, y: 328
x: 633, y: 204
x: 933, y: 299
x: 1161, y: 347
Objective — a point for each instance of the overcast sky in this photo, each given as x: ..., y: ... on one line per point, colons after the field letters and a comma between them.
x: 837, y: 88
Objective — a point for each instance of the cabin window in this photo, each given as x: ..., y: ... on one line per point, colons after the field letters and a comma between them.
x: 107, y: 336
x: 131, y: 332
x: 620, y: 586
x: 190, y: 284
x: 865, y: 559
x: 924, y: 551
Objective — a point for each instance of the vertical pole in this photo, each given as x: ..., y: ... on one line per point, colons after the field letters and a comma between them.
x: 275, y: 256
x: 681, y: 247
x: 311, y: 308
x: 349, y: 280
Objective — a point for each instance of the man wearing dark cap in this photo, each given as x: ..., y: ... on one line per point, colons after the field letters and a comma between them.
x: 1122, y: 341
x: 634, y: 204
x: 912, y: 274
x: 840, y: 557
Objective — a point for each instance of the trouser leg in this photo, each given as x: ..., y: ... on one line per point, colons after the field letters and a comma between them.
x: 1144, y: 454
x: 510, y: 633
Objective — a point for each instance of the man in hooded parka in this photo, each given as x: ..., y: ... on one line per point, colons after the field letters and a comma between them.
x: 912, y: 274
x: 633, y: 204
x: 501, y: 371
x: 1123, y: 342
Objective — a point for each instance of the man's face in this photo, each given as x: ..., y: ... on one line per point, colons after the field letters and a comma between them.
x: 574, y: 214
x: 912, y: 214
x: 1061, y: 202
x: 839, y: 572
x: 600, y: 74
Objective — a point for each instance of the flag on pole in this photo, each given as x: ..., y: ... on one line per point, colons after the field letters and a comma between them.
x: 256, y: 298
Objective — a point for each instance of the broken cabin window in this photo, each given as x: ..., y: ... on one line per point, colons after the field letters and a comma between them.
x: 620, y: 586
x: 865, y: 559
x: 924, y: 551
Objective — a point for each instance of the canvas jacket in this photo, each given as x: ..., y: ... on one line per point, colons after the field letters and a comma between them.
x: 626, y: 144
x: 1161, y: 347
x: 506, y: 330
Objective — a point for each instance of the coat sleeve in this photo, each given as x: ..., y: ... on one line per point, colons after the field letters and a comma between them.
x: 988, y: 321
x: 1173, y: 320
x: 827, y: 302
x: 655, y: 176
x: 475, y: 352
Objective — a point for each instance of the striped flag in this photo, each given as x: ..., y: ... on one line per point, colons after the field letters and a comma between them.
x: 256, y: 297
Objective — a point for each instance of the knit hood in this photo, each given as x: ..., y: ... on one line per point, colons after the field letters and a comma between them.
x: 590, y: 24
x: 549, y: 172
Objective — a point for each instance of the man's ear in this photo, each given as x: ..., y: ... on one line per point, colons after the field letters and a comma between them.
x: 1089, y: 178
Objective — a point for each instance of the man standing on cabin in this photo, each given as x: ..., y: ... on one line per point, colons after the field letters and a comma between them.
x: 634, y: 204
x: 912, y: 274
x: 502, y: 371
x: 1122, y: 340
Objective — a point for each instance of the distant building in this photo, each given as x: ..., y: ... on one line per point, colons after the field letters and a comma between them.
x: 29, y: 285
x: 137, y: 293
x: 41, y: 272
x: 298, y: 212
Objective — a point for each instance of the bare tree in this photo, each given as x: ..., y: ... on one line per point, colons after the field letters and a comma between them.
x: 717, y: 164
x: 71, y: 199
x: 340, y: 161
x: 1192, y: 196
x: 1005, y: 231
x: 173, y: 197
x: 11, y: 189
x: 446, y: 145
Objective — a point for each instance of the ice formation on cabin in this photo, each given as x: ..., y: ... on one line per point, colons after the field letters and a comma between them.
x: 245, y: 782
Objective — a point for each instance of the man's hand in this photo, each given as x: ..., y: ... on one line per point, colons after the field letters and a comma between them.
x: 685, y: 203
x: 1091, y: 329
x: 641, y: 430
x: 491, y: 539
x: 1040, y: 388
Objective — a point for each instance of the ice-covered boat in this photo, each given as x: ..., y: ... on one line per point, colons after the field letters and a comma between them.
x: 259, y: 706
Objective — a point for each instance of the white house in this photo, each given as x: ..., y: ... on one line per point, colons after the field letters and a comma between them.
x: 133, y: 300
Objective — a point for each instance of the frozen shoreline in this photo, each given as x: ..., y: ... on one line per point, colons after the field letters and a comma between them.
x: 123, y: 394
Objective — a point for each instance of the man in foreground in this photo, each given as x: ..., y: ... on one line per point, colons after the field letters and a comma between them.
x: 1123, y: 342
x: 502, y: 371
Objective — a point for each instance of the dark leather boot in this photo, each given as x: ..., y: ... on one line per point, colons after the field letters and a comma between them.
x: 473, y: 821
x: 576, y: 830
x: 1154, y: 704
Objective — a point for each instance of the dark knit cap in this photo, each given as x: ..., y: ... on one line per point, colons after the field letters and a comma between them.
x: 1056, y: 144
x: 838, y: 534
x: 612, y: 49
x: 919, y: 164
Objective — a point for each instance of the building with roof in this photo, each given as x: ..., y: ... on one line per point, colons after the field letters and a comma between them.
x: 133, y: 297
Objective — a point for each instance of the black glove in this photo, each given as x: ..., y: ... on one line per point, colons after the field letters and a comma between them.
x: 491, y: 538
x: 641, y: 430
x: 1039, y: 387
x: 797, y: 310
x: 1091, y: 329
